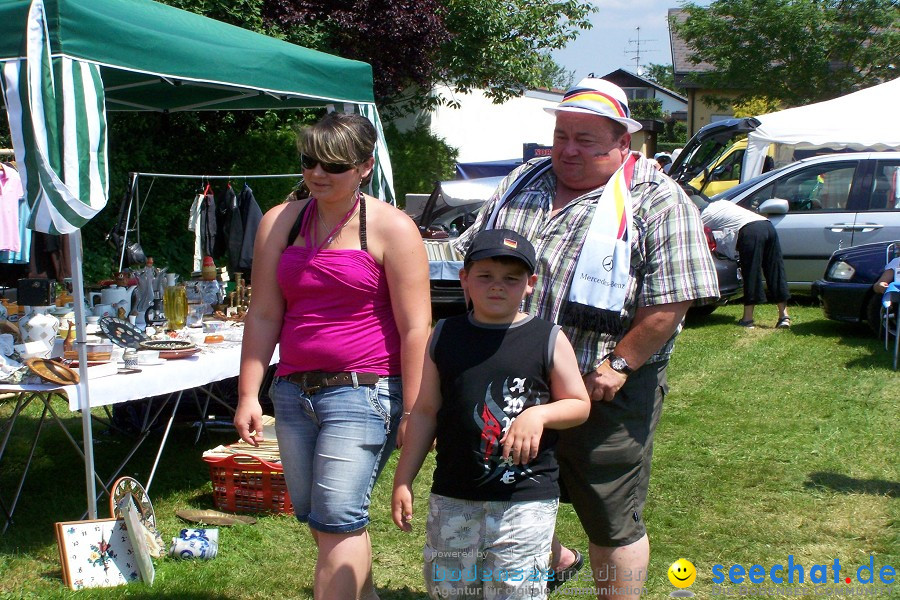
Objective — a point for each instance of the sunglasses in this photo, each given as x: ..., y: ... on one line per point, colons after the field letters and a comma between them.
x: 308, y: 162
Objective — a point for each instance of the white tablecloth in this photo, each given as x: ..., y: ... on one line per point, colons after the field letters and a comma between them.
x: 211, y: 364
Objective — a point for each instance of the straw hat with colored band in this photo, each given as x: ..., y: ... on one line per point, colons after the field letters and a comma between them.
x: 598, y: 97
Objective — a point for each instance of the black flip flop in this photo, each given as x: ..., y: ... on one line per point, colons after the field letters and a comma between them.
x: 561, y: 577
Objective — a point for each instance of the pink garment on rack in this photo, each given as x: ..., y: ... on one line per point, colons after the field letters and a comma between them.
x: 11, y: 193
x: 337, y: 315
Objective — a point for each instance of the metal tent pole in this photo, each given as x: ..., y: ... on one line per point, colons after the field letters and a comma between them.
x: 83, y: 387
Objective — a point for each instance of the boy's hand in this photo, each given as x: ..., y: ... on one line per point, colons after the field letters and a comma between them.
x: 402, y: 507
x: 523, y: 438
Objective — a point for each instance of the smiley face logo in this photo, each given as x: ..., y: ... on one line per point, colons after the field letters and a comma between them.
x: 682, y: 573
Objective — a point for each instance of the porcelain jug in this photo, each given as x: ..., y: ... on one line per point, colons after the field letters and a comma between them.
x: 116, y: 297
x: 40, y: 325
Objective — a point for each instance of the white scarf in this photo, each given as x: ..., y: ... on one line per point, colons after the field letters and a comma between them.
x: 599, y: 283
x: 600, y: 280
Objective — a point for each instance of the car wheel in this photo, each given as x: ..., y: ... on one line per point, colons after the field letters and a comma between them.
x: 873, y: 314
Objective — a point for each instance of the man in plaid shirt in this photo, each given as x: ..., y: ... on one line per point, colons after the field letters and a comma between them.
x: 623, y: 336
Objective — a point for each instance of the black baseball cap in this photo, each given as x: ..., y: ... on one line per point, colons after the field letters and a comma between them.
x: 491, y: 243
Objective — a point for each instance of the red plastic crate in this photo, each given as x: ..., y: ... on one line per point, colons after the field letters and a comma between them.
x: 247, y: 484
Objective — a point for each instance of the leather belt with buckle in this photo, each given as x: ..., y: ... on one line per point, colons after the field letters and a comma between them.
x: 313, y: 381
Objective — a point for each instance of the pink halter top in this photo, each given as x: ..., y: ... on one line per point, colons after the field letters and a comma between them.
x: 338, y: 314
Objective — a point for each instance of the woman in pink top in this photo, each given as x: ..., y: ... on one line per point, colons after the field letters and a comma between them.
x: 340, y: 281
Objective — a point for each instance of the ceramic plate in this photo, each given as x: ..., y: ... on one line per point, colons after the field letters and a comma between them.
x: 173, y: 354
x: 167, y: 345
x: 52, y: 371
x: 121, y: 332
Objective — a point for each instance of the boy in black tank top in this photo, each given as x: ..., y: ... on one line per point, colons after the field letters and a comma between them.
x: 494, y: 379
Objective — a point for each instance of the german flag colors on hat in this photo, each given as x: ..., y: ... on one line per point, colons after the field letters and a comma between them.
x: 599, y: 97
x: 491, y: 243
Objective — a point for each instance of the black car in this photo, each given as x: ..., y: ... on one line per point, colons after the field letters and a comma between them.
x: 846, y: 292
x: 728, y: 273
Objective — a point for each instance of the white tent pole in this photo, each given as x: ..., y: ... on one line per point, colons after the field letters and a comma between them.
x: 83, y: 394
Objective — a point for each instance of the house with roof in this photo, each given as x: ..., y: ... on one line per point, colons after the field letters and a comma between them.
x: 639, y: 88
x: 688, y: 76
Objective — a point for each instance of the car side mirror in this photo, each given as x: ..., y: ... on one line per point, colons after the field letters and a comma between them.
x: 774, y: 206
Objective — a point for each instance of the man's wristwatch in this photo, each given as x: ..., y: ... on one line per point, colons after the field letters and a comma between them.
x: 619, y: 364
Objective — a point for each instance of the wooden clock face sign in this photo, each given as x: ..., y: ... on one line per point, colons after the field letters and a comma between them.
x: 129, y: 486
x: 96, y: 553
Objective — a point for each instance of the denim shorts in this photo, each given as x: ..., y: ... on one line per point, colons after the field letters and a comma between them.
x: 488, y: 549
x: 334, y: 444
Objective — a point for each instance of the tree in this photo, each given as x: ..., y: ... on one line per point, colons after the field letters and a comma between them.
x: 500, y: 47
x: 554, y: 75
x: 497, y: 46
x: 794, y: 51
x: 646, y: 108
x: 419, y: 159
x: 399, y: 38
x: 664, y: 75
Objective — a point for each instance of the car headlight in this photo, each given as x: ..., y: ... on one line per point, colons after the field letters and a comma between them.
x: 840, y: 271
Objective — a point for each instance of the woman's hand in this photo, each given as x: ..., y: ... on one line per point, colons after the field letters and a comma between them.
x: 401, y: 430
x: 248, y: 420
x: 402, y: 507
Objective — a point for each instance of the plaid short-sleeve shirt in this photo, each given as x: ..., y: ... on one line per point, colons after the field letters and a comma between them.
x: 670, y: 260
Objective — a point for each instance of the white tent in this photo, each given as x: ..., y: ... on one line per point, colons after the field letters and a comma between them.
x: 863, y: 120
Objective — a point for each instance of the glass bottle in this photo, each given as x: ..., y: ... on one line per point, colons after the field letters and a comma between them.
x: 175, y: 306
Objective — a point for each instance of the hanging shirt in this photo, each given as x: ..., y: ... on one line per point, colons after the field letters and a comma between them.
x: 208, y: 223
x: 11, y: 195
x: 194, y: 225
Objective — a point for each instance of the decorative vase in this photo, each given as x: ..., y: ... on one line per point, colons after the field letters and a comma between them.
x: 40, y: 325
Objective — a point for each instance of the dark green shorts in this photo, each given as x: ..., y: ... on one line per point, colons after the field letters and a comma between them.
x: 605, y: 462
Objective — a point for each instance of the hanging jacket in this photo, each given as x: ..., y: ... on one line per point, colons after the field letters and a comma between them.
x: 208, y: 222
x: 242, y: 231
x: 224, y: 209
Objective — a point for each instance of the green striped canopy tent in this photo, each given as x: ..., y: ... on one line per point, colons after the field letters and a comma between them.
x: 66, y: 62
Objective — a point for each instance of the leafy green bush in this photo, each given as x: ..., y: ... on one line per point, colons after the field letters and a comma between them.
x: 418, y: 159
x: 646, y: 108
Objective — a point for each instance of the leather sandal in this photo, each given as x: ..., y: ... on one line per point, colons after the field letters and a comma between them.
x: 561, y: 577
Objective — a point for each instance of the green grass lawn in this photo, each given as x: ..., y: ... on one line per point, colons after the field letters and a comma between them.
x: 772, y: 443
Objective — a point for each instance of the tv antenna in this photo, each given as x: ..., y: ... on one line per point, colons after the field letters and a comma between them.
x: 636, y: 44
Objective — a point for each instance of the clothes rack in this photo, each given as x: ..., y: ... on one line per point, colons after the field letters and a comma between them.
x: 133, y: 182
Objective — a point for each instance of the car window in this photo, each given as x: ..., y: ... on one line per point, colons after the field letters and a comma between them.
x: 818, y: 187
x: 886, y: 186
x: 730, y: 169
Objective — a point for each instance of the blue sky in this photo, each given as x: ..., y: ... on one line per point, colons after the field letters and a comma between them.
x: 603, y: 48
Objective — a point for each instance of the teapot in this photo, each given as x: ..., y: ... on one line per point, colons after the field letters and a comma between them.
x: 115, y: 296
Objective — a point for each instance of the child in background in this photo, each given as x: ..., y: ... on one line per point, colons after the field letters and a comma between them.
x: 493, y: 380
x: 890, y: 275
